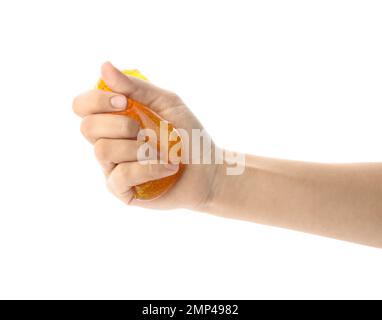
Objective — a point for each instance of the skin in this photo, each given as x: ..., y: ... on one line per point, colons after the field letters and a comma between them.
x: 342, y: 201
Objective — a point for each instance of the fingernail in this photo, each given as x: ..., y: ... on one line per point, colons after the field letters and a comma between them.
x: 171, y: 167
x: 118, y: 102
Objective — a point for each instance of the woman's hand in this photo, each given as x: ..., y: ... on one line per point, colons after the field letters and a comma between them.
x: 335, y: 200
x: 115, y: 141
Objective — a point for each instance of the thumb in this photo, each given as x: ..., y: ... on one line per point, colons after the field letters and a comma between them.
x: 132, y: 87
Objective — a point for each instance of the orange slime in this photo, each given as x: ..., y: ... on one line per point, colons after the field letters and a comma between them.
x: 148, y: 119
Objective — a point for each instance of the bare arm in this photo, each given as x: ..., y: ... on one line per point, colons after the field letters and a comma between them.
x: 342, y: 201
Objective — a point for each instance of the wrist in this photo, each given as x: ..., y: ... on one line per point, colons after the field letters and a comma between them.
x: 224, y: 187
x: 214, y: 189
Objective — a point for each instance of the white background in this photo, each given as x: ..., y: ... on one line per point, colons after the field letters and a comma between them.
x: 291, y: 79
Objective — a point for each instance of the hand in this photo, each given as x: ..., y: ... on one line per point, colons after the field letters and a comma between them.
x: 115, y: 141
x: 335, y: 200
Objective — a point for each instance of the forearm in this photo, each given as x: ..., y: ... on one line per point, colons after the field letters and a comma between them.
x: 343, y: 201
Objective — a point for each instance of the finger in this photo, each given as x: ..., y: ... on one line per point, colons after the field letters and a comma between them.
x: 127, y: 196
x: 110, y: 152
x: 129, y: 174
x: 99, y: 126
x: 98, y: 101
x: 140, y: 90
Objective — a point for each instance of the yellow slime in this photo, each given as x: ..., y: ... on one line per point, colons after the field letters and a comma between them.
x: 147, y: 119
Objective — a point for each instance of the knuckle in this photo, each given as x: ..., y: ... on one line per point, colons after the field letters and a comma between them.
x: 86, y: 126
x: 120, y: 179
x: 75, y: 105
x: 101, y: 150
x: 173, y: 99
